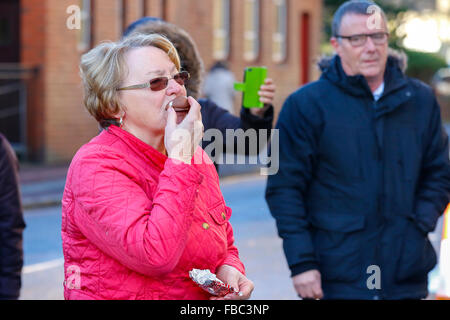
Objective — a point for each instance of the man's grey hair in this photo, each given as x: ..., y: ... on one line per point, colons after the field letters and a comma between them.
x: 362, y: 7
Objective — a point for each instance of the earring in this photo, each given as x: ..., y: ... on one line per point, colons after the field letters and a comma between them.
x: 121, y: 121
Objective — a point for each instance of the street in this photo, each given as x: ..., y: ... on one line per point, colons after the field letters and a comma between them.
x: 255, y: 236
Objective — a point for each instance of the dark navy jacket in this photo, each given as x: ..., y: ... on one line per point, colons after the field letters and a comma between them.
x: 215, y: 117
x: 11, y: 224
x: 361, y: 183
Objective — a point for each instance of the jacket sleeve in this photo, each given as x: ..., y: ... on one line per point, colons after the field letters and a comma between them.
x: 218, y: 118
x: 249, y: 120
x: 433, y: 191
x: 215, y: 117
x: 11, y: 224
x: 298, y: 126
x: 116, y: 214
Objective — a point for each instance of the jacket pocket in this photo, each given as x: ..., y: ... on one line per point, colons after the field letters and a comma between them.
x: 220, y: 213
x: 416, y: 257
x: 337, y: 241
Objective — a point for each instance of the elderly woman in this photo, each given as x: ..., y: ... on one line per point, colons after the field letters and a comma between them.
x: 142, y: 205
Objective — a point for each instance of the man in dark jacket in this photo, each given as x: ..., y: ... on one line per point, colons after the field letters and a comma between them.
x: 11, y: 224
x: 364, y: 171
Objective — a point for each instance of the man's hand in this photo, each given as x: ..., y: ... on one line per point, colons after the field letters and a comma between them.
x: 308, y: 284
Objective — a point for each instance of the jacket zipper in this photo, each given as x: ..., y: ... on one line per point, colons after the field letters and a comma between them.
x: 379, y: 136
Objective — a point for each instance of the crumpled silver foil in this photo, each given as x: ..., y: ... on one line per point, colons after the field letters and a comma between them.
x: 209, y: 282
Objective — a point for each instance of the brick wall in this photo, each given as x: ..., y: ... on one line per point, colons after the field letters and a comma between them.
x: 107, y: 22
x: 59, y: 124
x: 32, y: 35
x: 67, y: 124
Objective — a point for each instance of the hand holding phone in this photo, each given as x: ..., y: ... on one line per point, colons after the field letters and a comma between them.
x: 253, y: 79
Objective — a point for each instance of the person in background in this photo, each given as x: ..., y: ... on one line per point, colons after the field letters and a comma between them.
x: 11, y: 224
x: 213, y: 116
x: 142, y: 204
x: 219, y: 86
x: 364, y: 170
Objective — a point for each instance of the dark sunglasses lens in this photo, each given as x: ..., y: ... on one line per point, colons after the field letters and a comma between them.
x: 181, y: 77
x: 158, y: 83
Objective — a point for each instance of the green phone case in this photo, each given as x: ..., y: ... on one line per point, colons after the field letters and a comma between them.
x: 253, y: 79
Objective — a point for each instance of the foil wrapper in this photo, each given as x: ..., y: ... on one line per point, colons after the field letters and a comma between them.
x: 208, y: 281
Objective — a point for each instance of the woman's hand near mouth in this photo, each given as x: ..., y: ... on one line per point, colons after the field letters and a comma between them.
x: 181, y: 106
x: 181, y: 139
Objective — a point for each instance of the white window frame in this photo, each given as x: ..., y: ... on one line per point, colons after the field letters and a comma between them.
x: 84, y: 35
x: 251, y: 29
x: 279, y: 37
x: 221, y: 29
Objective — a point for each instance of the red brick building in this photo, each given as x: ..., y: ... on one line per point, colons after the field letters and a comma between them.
x: 41, y: 42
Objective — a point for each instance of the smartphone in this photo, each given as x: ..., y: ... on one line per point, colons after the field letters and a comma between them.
x: 254, y: 77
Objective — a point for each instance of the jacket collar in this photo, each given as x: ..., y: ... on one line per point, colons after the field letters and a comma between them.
x: 332, y: 70
x: 396, y: 91
x: 141, y: 149
x: 353, y: 85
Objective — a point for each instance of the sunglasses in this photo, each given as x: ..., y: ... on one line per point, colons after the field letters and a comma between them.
x: 160, y: 83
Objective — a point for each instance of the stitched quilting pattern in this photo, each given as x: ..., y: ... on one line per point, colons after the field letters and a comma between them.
x: 136, y: 222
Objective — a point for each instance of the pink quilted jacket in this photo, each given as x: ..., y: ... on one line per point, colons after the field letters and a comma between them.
x: 134, y: 222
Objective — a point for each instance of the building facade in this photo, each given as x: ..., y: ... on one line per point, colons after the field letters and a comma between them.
x: 41, y: 43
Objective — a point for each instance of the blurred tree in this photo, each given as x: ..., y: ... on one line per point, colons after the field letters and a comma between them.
x: 423, y: 65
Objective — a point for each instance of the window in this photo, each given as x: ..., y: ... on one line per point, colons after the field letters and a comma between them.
x: 221, y: 32
x: 164, y: 14
x: 85, y: 34
x: 251, y: 29
x: 121, y: 16
x: 142, y: 8
x: 279, y: 38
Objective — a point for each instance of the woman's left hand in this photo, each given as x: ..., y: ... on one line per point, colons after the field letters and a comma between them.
x: 235, y: 279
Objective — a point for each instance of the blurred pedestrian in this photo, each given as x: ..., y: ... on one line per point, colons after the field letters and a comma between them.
x: 219, y: 86
x: 364, y: 170
x: 139, y: 212
x: 11, y: 223
x: 213, y: 117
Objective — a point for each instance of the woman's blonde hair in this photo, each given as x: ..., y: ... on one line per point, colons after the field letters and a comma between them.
x: 103, y: 69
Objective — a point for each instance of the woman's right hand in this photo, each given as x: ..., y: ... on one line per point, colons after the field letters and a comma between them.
x: 181, y: 140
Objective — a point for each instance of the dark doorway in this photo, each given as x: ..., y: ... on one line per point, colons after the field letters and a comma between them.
x: 9, y: 31
x: 12, y: 91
